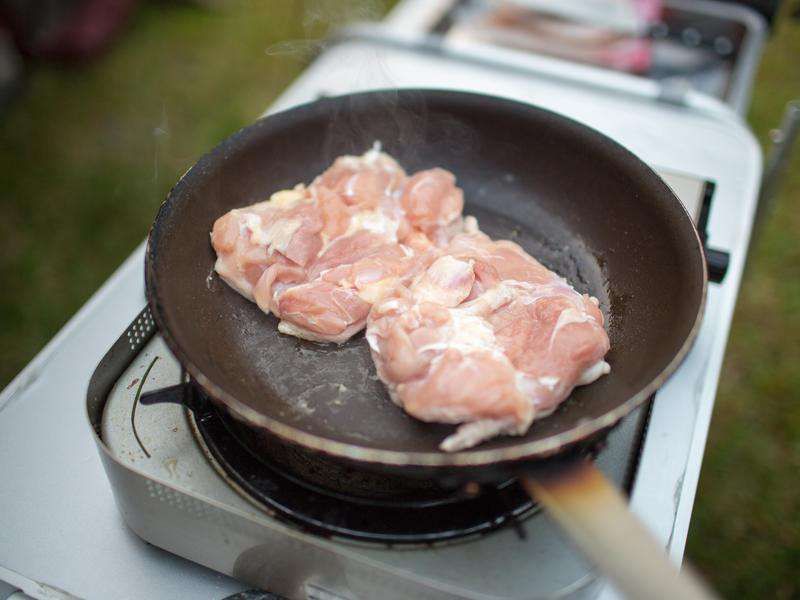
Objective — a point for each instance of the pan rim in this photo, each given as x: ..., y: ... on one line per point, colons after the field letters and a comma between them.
x: 531, y: 450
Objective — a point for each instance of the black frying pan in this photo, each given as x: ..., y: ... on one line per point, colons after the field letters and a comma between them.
x: 579, y: 202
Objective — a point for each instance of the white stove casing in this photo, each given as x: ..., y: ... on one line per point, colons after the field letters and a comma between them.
x: 60, y: 532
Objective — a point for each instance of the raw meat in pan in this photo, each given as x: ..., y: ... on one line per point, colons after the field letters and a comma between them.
x: 319, y: 257
x: 462, y: 329
x: 510, y: 353
x: 284, y: 230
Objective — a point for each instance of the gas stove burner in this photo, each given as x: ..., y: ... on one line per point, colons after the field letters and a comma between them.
x: 426, y: 519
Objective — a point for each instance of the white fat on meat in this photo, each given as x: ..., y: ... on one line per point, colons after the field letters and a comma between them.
x: 276, y: 237
x: 447, y: 281
x: 568, y: 316
x: 473, y: 433
x: 285, y: 199
x: 470, y: 224
x: 374, y: 291
x: 593, y: 373
x: 464, y: 333
x: 233, y: 279
x: 289, y: 328
x: 375, y: 221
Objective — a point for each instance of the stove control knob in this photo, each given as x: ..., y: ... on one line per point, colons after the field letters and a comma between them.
x: 717, y: 264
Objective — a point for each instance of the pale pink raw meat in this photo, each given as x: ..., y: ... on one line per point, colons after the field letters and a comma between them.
x: 283, y: 230
x: 334, y: 303
x: 363, y: 180
x: 335, y: 241
x: 432, y: 203
x: 462, y: 329
x: 515, y: 349
x: 322, y: 312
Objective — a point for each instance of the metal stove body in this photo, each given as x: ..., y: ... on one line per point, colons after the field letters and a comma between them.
x: 173, y: 492
x: 62, y: 536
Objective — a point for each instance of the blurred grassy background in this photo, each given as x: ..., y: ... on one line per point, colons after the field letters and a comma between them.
x: 87, y: 154
x: 745, y: 532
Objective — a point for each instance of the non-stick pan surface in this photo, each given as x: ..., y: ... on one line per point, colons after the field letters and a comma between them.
x: 573, y: 198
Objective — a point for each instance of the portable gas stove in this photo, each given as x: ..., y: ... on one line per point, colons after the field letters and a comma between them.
x: 182, y: 483
x: 181, y: 474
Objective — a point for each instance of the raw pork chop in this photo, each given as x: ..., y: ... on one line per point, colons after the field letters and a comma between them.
x: 487, y: 337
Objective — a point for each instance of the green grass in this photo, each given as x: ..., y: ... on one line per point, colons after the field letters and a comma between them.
x: 745, y: 533
x: 88, y: 153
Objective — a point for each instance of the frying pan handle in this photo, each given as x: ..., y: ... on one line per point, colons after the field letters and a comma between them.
x: 595, y: 515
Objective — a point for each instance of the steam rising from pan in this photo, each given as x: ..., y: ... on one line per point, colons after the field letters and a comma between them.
x: 403, y: 127
x: 320, y: 18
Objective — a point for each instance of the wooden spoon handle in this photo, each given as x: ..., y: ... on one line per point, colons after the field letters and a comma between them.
x: 596, y: 516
